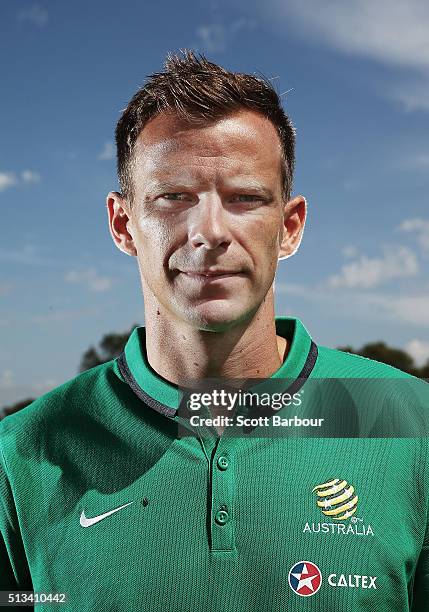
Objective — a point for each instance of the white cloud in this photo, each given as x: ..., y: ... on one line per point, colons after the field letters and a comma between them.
x: 107, y: 153
x: 28, y: 176
x: 390, y: 31
x: 418, y: 161
x: 212, y: 37
x: 420, y: 227
x: 368, y: 272
x: 27, y: 254
x: 349, y: 251
x: 398, y: 307
x: 90, y: 279
x: 413, y: 94
x: 418, y: 350
x: 35, y: 14
x: 6, y: 379
x: 7, y: 180
x: 215, y: 37
x: 10, y: 179
x: 409, y: 308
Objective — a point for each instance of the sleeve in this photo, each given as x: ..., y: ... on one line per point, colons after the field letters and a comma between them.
x: 420, y: 589
x: 421, y: 582
x: 14, y: 570
x: 7, y: 579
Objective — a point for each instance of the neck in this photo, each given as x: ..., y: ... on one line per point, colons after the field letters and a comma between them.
x: 177, y: 351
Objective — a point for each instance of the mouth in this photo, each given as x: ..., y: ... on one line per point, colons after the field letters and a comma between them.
x: 210, y: 276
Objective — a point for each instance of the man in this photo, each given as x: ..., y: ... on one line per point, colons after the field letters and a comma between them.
x: 104, y: 502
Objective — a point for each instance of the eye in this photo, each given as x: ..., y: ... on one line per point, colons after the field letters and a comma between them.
x: 172, y: 196
x: 250, y: 198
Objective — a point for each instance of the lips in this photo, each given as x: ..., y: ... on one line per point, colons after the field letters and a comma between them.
x: 209, y: 273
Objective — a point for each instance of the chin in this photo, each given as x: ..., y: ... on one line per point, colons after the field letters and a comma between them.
x: 217, y: 315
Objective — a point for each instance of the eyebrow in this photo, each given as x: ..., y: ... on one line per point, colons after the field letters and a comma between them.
x: 241, y: 185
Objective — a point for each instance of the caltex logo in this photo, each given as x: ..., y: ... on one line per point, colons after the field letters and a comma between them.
x: 305, y: 578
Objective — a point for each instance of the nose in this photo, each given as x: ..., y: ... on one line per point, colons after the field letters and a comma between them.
x: 208, y: 225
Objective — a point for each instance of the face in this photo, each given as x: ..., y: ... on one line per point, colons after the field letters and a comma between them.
x: 207, y: 223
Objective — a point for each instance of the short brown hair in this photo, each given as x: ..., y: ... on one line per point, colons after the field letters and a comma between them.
x: 200, y: 91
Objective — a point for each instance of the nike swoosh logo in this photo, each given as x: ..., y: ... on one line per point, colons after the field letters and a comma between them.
x: 87, y: 522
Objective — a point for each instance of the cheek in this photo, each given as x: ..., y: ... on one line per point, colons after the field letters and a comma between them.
x: 153, y: 242
x: 267, y: 245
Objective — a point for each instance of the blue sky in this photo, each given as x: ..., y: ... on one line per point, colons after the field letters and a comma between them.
x: 357, y: 78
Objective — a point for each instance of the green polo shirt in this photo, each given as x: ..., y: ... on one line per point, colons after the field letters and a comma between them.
x: 103, y: 501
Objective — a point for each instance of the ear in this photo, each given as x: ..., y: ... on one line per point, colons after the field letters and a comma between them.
x: 295, y: 214
x: 118, y: 211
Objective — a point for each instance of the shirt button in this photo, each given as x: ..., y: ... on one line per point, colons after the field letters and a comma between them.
x: 222, y: 463
x: 221, y: 517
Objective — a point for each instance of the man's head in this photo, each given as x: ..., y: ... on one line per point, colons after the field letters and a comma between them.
x: 200, y: 91
x: 205, y: 164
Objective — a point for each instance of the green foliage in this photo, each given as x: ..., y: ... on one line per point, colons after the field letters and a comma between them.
x: 110, y: 347
x: 395, y: 357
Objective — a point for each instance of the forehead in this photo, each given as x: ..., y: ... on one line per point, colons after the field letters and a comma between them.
x: 243, y: 142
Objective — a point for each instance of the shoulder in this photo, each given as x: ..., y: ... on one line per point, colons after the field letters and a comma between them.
x: 384, y: 401
x: 73, y: 400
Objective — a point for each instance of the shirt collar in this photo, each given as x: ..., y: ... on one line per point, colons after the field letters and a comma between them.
x: 164, y: 396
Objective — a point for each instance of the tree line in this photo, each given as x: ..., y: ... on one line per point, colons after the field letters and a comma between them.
x: 112, y: 345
